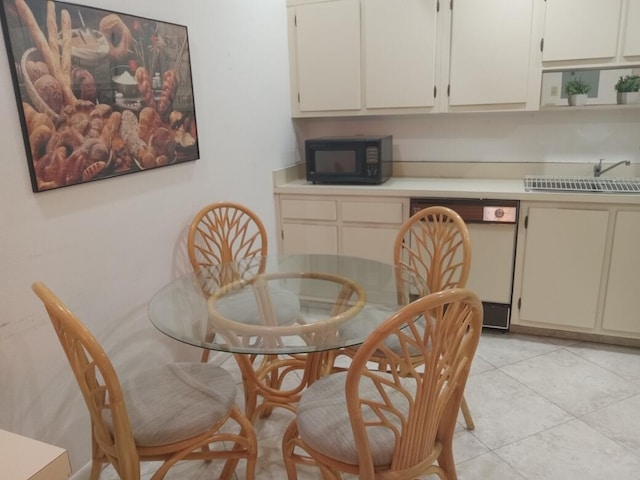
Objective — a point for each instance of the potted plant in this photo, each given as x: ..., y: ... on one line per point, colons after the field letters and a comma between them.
x: 628, y: 88
x: 577, y: 90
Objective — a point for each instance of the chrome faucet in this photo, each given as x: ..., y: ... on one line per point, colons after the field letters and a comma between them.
x: 598, y: 170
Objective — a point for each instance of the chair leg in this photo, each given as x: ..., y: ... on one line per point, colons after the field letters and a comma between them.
x: 205, y: 356
x: 288, y: 446
x: 251, y: 448
x: 205, y: 351
x: 466, y: 413
x: 96, y: 468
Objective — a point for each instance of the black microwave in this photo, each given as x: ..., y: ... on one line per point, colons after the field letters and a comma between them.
x: 350, y: 160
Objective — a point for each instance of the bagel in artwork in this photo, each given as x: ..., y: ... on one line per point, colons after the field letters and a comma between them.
x: 117, y: 34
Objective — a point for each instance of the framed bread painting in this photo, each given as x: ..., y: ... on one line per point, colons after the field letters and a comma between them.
x: 100, y: 93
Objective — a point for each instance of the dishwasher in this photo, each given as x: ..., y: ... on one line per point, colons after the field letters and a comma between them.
x: 492, y: 226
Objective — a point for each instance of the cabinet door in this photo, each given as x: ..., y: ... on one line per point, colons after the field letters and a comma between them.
x: 375, y: 243
x: 631, y: 45
x: 563, y: 257
x: 581, y: 30
x: 490, y: 51
x: 309, y: 238
x: 621, y: 300
x: 375, y: 240
x: 327, y: 55
x: 400, y: 52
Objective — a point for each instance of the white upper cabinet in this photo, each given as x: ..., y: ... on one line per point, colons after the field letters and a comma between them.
x: 631, y: 39
x: 399, y: 53
x: 325, y: 55
x: 398, y: 56
x: 490, y: 52
x: 584, y: 31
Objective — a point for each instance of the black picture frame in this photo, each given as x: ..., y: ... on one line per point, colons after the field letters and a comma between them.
x: 100, y: 93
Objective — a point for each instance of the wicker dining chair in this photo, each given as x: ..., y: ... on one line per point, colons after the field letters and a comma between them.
x: 432, y: 245
x: 221, y: 233
x: 170, y: 413
x: 382, y: 424
x: 224, y: 232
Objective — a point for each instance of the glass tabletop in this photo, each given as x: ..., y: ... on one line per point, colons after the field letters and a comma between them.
x: 282, y: 304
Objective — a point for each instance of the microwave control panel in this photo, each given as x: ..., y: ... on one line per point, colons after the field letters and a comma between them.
x: 372, y: 155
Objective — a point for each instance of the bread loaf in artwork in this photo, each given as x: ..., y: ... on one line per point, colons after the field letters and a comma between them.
x: 149, y: 120
x: 144, y: 86
x: 36, y: 69
x: 129, y: 134
x: 162, y: 142
x: 50, y: 92
x: 50, y: 56
x: 84, y: 85
x: 168, y: 93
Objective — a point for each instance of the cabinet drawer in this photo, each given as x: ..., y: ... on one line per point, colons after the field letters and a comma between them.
x: 308, y: 209
x: 372, y: 212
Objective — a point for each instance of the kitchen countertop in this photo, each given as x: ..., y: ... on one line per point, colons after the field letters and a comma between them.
x: 480, y: 188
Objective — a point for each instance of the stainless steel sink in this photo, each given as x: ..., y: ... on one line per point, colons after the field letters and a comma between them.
x: 541, y: 183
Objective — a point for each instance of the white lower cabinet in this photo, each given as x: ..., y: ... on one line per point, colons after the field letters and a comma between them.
x: 309, y: 225
x: 621, y: 313
x: 359, y: 226
x: 309, y: 238
x: 563, y: 258
x: 577, y: 269
x: 372, y: 242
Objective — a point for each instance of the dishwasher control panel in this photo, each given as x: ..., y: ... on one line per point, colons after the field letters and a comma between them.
x: 473, y: 210
x: 499, y: 214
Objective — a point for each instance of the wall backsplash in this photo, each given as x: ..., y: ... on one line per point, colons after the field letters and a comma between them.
x: 579, y: 136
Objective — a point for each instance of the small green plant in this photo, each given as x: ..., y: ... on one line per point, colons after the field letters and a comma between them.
x: 577, y: 86
x: 628, y: 83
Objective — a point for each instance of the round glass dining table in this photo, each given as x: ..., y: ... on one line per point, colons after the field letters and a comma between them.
x: 282, y: 314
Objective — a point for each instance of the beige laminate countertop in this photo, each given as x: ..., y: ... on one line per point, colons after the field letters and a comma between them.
x: 479, y: 188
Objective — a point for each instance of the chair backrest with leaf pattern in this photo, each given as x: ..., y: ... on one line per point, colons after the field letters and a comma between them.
x: 434, y: 245
x: 418, y: 406
x: 221, y: 233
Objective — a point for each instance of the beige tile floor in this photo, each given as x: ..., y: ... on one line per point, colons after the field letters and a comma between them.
x: 544, y: 409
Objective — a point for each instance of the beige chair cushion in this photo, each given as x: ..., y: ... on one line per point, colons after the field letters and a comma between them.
x: 372, y: 317
x: 173, y: 402
x: 323, y: 420
x: 369, y: 318
x: 242, y: 307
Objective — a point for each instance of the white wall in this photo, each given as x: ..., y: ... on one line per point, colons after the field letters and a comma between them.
x: 107, y: 246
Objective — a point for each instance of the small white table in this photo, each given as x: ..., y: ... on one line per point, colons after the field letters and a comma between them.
x: 23, y: 458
